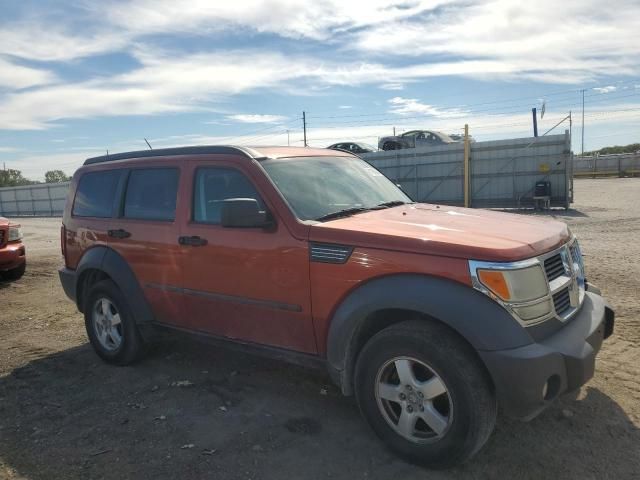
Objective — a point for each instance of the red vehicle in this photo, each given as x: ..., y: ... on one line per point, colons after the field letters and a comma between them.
x: 12, y: 252
x: 431, y: 315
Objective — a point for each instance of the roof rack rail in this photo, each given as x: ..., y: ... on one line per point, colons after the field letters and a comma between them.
x: 165, y: 152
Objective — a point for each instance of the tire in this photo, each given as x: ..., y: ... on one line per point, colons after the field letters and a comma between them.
x: 390, y: 146
x: 15, y: 273
x: 460, y: 419
x: 110, y: 325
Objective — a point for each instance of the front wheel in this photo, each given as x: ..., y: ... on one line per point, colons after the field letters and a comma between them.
x: 422, y: 391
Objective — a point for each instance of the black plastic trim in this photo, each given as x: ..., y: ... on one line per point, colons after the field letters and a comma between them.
x: 329, y: 253
x: 165, y: 152
x: 228, y: 298
x: 477, y: 318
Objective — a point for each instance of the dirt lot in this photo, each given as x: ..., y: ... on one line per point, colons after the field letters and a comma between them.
x: 65, y: 414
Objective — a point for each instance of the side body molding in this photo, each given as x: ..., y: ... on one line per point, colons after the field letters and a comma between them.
x: 110, y: 262
x: 482, y: 322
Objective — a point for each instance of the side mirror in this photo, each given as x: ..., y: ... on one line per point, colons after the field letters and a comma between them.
x: 243, y: 213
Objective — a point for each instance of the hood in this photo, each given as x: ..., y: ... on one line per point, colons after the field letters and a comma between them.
x: 4, y: 222
x: 447, y: 231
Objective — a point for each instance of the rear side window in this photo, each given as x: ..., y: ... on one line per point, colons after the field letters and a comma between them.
x: 96, y: 193
x: 151, y: 194
x: 215, y: 185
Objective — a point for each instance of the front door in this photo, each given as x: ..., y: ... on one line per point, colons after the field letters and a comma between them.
x: 248, y: 284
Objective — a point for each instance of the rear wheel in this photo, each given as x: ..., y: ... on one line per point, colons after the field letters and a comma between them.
x: 390, y: 146
x: 422, y: 391
x: 16, y: 273
x: 110, y: 325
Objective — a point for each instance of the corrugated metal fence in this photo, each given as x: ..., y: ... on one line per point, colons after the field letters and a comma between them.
x: 503, y: 173
x: 621, y: 165
x: 45, y: 199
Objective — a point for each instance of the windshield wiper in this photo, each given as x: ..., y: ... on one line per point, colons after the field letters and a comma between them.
x: 342, y: 213
x: 393, y: 203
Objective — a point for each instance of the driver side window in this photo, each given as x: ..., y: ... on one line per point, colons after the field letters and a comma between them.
x: 215, y: 185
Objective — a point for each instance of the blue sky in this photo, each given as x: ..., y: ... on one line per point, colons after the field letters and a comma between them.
x: 78, y: 80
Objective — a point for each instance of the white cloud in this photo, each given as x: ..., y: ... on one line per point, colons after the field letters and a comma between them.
x: 256, y: 118
x: 14, y: 76
x: 572, y: 41
x: 200, y: 82
x: 344, y: 107
x: 412, y: 106
x: 38, y: 39
x: 391, y: 86
x: 608, y: 89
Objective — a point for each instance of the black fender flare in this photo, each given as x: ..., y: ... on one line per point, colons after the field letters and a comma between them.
x: 482, y: 322
x: 107, y: 260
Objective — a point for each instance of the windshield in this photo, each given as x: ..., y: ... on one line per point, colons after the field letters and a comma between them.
x: 316, y: 187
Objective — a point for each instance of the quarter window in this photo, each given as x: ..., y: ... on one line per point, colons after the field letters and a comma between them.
x: 151, y: 194
x: 215, y: 185
x: 96, y: 193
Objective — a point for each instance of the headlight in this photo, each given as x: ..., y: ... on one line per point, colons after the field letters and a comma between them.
x: 15, y: 233
x: 521, y: 287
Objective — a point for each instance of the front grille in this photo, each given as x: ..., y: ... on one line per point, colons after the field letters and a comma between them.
x: 562, y: 301
x: 554, y: 267
x: 3, y: 237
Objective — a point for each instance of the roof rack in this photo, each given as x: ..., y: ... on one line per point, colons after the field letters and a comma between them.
x: 165, y: 152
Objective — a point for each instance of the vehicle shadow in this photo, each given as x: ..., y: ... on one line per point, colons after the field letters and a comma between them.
x: 192, y: 411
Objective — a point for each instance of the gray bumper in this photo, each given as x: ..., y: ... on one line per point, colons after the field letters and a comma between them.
x: 68, y: 281
x: 563, y: 362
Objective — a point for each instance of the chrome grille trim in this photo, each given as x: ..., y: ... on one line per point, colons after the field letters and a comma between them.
x: 329, y: 253
x: 565, y: 289
x: 562, y: 301
x: 554, y: 267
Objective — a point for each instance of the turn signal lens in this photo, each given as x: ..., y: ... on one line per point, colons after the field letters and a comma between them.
x: 495, y: 281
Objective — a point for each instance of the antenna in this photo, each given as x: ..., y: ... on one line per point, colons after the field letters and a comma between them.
x: 150, y: 147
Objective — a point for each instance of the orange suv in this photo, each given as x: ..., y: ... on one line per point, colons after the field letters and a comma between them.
x: 431, y: 315
x: 12, y: 252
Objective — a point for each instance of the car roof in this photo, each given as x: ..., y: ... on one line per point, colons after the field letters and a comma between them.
x: 258, y: 153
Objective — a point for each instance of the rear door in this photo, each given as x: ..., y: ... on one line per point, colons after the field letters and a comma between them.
x: 249, y: 284
x: 145, y: 234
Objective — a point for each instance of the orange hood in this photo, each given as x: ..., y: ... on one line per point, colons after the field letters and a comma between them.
x: 447, y: 231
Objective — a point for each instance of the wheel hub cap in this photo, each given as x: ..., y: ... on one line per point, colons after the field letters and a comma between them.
x: 107, y: 324
x: 413, y: 399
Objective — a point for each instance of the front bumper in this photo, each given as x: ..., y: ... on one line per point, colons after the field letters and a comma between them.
x: 12, y: 255
x: 529, y: 378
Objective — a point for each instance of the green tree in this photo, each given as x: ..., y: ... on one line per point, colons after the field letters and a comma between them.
x: 56, y: 176
x: 13, y: 178
x: 631, y: 148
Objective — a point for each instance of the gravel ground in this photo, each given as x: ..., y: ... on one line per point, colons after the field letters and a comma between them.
x: 64, y: 414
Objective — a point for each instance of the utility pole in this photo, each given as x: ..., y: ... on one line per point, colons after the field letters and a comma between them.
x: 304, y: 127
x: 582, y: 154
x: 394, y: 131
x: 288, y: 142
x: 535, y: 122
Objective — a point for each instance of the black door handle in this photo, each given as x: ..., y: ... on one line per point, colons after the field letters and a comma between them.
x: 194, y: 241
x: 120, y: 233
